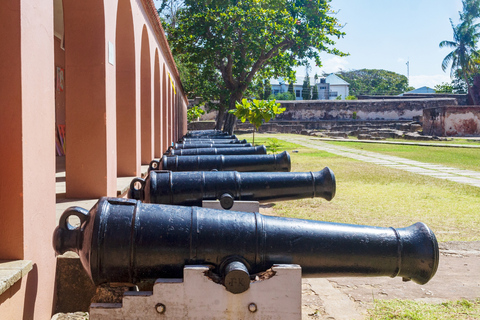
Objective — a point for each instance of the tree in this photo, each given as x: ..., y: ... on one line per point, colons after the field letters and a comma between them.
x: 464, y: 57
x: 167, y: 11
x: 257, y: 112
x: 244, y: 40
x: 374, y: 82
x: 268, y: 89
x: 286, y: 96
x: 194, y: 112
x: 306, y: 88
x: 315, y: 92
x: 291, y: 89
x: 444, y: 87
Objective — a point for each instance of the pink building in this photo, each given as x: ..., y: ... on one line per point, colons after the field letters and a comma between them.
x: 104, y: 71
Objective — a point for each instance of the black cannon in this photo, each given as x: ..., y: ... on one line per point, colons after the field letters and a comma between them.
x: 225, y: 137
x: 191, y: 188
x: 209, y: 145
x: 202, y: 133
x: 248, y: 162
x: 212, y: 151
x: 127, y: 241
x: 213, y: 141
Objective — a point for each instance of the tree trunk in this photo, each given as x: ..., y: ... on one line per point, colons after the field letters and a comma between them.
x: 470, y: 90
x: 220, y: 117
x: 230, y: 119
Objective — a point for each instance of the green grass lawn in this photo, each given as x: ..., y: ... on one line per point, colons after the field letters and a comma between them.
x: 370, y: 194
x: 412, y: 310
x: 462, y: 158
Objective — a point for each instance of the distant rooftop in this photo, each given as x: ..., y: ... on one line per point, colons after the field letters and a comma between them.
x: 422, y: 90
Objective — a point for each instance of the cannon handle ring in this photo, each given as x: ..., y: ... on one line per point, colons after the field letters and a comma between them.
x: 137, y: 189
x: 79, y: 212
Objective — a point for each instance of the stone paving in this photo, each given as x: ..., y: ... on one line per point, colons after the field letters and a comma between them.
x: 428, y: 169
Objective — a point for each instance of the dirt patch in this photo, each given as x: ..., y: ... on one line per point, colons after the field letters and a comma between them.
x: 457, y: 277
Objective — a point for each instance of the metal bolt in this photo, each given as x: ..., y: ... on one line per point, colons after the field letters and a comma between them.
x: 252, y: 307
x: 160, y: 307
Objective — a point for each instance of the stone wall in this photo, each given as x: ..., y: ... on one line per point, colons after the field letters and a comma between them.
x: 452, y: 121
x: 462, y: 99
x: 388, y: 109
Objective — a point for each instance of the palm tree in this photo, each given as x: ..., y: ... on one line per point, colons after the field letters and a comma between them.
x: 464, y: 54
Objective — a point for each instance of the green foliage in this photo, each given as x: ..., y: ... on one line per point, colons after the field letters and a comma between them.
x: 257, y: 112
x: 306, y: 93
x: 194, y: 112
x: 351, y: 97
x: 444, y: 87
x: 354, y: 115
x: 291, y: 89
x: 339, y: 97
x: 273, y: 145
x: 464, y: 58
x: 284, y: 96
x: 374, y: 82
x: 232, y: 42
x: 314, y: 92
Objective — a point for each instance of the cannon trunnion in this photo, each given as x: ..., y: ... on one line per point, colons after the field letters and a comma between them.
x: 122, y: 240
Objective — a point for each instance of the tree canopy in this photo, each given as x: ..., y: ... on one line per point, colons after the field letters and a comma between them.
x: 235, y: 43
x: 374, y: 82
x: 464, y: 58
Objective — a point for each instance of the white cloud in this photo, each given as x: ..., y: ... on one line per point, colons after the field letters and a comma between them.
x: 334, y: 64
x: 429, y: 80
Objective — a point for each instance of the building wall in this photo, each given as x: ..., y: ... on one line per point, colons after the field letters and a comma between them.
x: 31, y: 106
x: 452, y: 121
x: 364, y: 109
x: 342, y: 90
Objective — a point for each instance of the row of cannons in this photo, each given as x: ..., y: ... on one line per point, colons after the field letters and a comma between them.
x: 162, y: 228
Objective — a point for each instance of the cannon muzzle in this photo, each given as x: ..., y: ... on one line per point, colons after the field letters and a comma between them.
x: 210, y: 145
x: 191, y: 188
x: 122, y: 240
x: 213, y: 151
x: 249, y: 162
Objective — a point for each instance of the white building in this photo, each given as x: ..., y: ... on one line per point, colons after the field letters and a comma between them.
x: 329, y: 88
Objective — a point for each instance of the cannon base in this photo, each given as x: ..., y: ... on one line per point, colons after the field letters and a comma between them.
x: 197, y: 296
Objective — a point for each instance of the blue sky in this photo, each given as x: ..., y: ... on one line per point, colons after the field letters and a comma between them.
x: 384, y: 34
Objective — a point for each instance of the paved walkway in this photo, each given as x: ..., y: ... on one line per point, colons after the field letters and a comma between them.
x: 427, y: 169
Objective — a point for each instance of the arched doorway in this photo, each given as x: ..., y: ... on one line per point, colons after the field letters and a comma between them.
x: 157, y: 119
x: 127, y: 163
x: 146, y: 100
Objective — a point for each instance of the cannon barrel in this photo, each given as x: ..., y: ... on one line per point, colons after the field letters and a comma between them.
x: 123, y: 240
x: 203, y: 133
x: 229, y: 137
x: 210, y: 145
x: 214, y: 141
x: 248, y: 162
x: 213, y: 151
x: 191, y: 188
